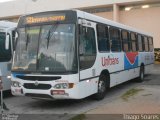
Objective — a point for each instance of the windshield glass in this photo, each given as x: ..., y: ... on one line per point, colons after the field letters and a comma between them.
x: 2, y: 35
x: 26, y: 50
x: 46, y: 48
x: 2, y: 42
x: 5, y: 54
x: 2, y: 39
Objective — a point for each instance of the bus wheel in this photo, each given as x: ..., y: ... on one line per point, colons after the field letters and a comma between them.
x: 141, y: 74
x: 102, y: 87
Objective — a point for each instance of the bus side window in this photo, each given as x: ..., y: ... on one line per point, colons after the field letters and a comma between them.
x: 125, y: 41
x: 146, y: 44
x: 143, y: 44
x: 140, y: 45
x: 150, y: 40
x: 133, y: 42
x: 87, y: 47
x: 103, y: 38
x: 115, y: 39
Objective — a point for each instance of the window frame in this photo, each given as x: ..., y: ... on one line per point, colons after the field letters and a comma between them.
x: 150, y: 45
x: 120, y: 41
x: 135, y: 41
x: 128, y: 40
x: 146, y: 43
x: 139, y: 42
x: 106, y: 32
x: 84, y: 68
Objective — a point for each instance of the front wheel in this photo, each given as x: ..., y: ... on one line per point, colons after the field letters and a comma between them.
x: 102, y: 87
x: 141, y: 74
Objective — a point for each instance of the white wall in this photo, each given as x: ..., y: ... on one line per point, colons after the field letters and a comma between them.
x: 144, y: 19
x: 19, y: 7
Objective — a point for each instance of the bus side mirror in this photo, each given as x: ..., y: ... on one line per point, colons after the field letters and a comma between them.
x: 7, y: 42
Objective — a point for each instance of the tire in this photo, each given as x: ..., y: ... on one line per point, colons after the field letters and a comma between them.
x: 141, y: 74
x: 102, y: 87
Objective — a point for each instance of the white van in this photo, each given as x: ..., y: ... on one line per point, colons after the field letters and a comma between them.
x: 7, y: 32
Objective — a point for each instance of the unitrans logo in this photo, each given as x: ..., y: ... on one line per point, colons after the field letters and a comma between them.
x: 111, y: 60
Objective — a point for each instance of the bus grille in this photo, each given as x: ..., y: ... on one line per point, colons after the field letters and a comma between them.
x: 39, y: 78
x: 38, y: 96
x: 38, y: 87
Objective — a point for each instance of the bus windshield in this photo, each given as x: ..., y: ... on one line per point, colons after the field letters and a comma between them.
x: 2, y: 36
x: 46, y: 48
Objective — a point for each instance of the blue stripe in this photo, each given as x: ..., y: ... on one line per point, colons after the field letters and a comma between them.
x: 16, y: 74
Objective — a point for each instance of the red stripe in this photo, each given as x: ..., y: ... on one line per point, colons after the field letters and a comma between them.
x: 131, y: 56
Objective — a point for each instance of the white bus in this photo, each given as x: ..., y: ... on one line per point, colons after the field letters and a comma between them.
x: 71, y: 54
x: 7, y: 32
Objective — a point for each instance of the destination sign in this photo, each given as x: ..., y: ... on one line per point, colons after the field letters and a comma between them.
x: 67, y: 16
x: 34, y: 19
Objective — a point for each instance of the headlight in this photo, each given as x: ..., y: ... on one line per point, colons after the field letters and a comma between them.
x: 16, y: 84
x: 9, y: 77
x: 63, y: 86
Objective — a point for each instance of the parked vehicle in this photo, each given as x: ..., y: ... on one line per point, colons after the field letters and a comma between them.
x: 7, y: 34
x: 72, y: 54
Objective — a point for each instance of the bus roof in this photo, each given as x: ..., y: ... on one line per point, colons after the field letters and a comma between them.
x: 7, y: 24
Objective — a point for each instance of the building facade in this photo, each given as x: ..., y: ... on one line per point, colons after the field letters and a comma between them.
x: 141, y: 14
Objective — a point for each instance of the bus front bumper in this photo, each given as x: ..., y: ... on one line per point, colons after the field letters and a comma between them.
x: 45, y: 94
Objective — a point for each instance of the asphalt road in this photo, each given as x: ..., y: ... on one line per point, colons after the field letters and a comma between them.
x: 63, y: 109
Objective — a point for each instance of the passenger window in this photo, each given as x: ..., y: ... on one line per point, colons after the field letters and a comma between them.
x: 103, y: 39
x: 87, y: 47
x: 146, y: 45
x: 125, y: 41
x: 115, y: 39
x: 134, y: 42
x: 140, y: 45
x: 150, y: 44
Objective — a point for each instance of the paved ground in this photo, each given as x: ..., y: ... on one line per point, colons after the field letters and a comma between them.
x: 148, y: 98
x: 146, y: 101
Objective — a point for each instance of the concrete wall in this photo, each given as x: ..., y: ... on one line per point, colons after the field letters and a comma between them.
x: 20, y: 7
x: 145, y: 19
x: 108, y: 15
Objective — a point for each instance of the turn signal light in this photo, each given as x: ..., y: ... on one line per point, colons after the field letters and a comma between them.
x: 64, y: 85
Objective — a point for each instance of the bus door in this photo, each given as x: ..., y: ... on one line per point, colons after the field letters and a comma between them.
x: 87, y: 49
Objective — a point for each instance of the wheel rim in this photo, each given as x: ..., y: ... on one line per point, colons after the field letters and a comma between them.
x: 101, y: 86
x: 142, y: 75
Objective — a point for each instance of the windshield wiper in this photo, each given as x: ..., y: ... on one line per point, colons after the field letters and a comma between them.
x: 27, y: 41
x: 51, y: 30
